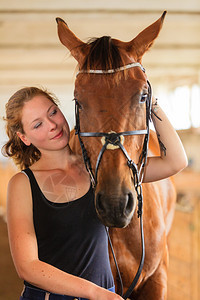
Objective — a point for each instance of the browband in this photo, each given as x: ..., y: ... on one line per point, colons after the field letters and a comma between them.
x: 111, y: 71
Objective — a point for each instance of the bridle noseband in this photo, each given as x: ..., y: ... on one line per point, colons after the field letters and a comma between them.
x: 114, y: 138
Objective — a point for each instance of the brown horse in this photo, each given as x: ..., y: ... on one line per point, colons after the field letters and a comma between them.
x: 114, y: 100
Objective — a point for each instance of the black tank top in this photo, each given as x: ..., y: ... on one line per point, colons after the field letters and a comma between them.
x: 70, y: 236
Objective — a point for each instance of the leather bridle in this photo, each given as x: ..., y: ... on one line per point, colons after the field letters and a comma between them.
x: 115, y: 139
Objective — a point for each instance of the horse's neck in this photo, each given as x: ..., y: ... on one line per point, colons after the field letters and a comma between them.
x: 73, y: 142
x: 153, y: 144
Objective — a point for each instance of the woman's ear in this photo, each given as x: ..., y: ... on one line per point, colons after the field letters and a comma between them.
x: 23, y: 138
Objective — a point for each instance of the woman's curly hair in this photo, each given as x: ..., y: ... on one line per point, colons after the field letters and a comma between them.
x: 23, y: 156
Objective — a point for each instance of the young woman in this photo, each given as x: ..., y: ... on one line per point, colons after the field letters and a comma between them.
x: 58, y: 244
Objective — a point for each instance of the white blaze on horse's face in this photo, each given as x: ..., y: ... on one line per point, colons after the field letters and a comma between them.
x: 115, y: 196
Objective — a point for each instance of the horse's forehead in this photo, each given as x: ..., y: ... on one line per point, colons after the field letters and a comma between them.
x: 97, y: 86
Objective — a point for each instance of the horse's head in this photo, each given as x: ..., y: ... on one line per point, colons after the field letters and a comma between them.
x: 112, y: 101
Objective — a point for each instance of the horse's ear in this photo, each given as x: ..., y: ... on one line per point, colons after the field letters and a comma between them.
x: 144, y: 40
x: 70, y: 40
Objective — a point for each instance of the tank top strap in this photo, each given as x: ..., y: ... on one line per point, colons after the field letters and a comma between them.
x: 32, y: 179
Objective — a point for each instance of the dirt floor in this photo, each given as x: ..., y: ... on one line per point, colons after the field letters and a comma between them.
x: 184, y: 246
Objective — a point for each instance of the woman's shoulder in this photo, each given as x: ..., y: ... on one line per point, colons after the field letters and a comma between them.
x: 19, y: 193
x: 18, y: 180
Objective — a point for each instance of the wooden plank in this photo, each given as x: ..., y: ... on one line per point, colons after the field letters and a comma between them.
x: 184, y: 240
x: 41, y: 29
x: 144, y: 5
x: 184, y: 248
x: 29, y: 41
x: 11, y: 285
x: 22, y: 56
x: 195, y: 265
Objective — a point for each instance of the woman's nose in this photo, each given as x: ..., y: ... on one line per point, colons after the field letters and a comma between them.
x: 52, y: 125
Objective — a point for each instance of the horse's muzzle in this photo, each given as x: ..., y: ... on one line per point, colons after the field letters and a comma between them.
x: 114, y: 210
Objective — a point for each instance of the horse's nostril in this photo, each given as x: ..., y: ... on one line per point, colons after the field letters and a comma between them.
x: 99, y: 204
x: 129, y: 204
x: 113, y: 209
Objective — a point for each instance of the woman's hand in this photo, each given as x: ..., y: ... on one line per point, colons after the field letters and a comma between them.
x: 172, y: 158
x: 103, y: 294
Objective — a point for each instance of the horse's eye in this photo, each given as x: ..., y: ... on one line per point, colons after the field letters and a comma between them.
x: 143, y: 98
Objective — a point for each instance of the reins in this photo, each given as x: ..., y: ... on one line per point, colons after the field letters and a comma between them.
x: 115, y: 139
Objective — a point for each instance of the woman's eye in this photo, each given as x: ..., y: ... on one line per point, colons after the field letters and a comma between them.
x: 37, y: 125
x: 53, y: 112
x: 143, y: 98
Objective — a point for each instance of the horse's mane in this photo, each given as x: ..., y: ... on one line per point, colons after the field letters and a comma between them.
x: 103, y: 54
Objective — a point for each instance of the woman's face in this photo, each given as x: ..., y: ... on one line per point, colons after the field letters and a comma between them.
x: 44, y: 125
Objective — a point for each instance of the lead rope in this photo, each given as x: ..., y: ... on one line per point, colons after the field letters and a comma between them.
x: 138, y: 188
x: 133, y: 284
x: 115, y: 261
x: 135, y: 280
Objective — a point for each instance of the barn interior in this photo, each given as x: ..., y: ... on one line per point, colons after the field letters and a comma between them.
x: 32, y: 55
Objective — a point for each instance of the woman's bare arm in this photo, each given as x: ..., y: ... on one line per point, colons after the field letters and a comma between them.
x: 172, y: 157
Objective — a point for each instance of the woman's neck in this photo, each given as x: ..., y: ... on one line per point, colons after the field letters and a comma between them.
x: 55, y: 159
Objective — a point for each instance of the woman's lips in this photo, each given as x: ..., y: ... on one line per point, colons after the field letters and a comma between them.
x: 59, y: 135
